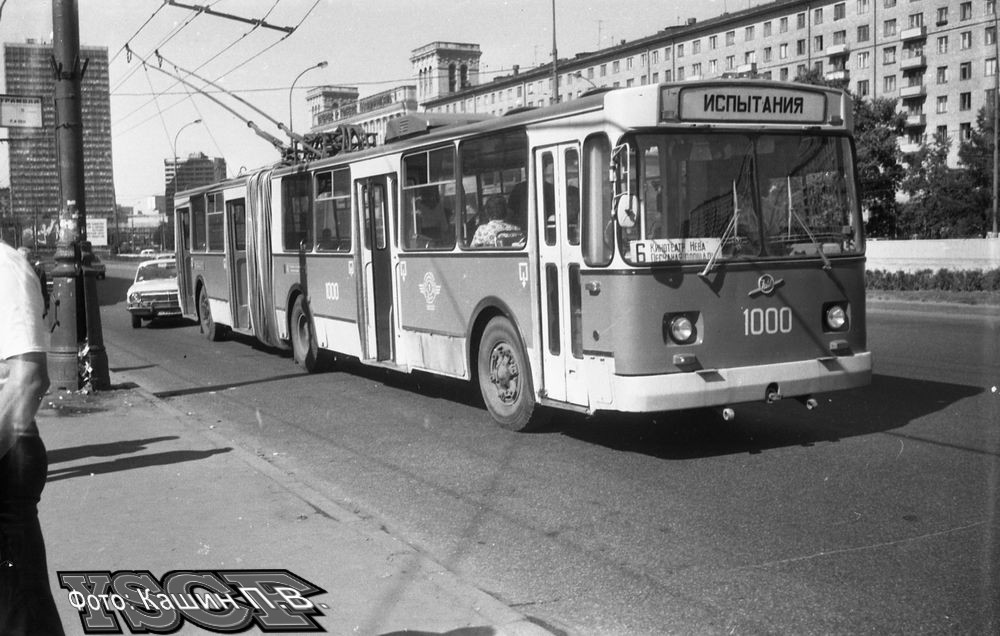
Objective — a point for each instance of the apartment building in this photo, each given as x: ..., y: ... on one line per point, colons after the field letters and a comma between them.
x: 938, y: 58
x: 34, y: 175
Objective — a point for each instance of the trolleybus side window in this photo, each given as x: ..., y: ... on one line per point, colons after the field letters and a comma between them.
x: 494, y: 191
x: 333, y: 210
x: 198, y: 233
x: 297, y: 213
x: 429, y: 219
x: 216, y: 235
x: 597, y: 226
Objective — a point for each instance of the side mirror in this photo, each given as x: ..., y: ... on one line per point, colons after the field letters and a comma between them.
x: 625, y: 209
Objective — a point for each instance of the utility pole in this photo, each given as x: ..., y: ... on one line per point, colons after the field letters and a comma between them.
x: 72, y: 250
x: 555, y: 58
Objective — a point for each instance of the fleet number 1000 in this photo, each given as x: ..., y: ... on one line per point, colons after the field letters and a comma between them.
x: 757, y: 321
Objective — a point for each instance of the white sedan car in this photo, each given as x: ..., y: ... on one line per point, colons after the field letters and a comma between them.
x: 154, y: 292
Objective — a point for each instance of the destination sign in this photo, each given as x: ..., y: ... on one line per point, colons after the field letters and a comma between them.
x: 20, y: 112
x: 752, y: 104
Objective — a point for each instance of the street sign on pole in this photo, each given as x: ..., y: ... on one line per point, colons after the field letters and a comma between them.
x: 17, y: 111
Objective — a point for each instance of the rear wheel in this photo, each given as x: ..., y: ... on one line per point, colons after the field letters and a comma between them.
x: 505, y: 379
x: 304, y: 348
x: 212, y: 330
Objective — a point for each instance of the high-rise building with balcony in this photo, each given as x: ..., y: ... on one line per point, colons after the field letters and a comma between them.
x: 937, y: 58
x: 34, y: 174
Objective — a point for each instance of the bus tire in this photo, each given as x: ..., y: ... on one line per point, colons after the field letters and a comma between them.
x: 505, y: 378
x: 300, y: 332
x: 212, y: 330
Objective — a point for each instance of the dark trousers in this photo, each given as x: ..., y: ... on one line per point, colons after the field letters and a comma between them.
x: 26, y: 603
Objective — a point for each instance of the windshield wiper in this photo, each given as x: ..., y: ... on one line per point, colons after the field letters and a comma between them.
x: 730, y: 229
x: 819, y: 247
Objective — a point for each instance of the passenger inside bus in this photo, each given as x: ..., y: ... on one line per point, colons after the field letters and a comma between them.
x: 432, y: 220
x: 497, y: 231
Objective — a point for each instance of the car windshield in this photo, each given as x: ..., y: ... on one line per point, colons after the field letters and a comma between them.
x: 742, y: 196
x: 156, y: 271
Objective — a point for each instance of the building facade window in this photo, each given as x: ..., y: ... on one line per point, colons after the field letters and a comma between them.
x: 889, y: 55
x: 965, y: 131
x: 889, y: 28
x: 767, y: 29
x: 966, y: 39
x: 889, y: 83
x: 730, y: 38
x: 942, y: 75
x: 916, y: 20
x: 863, y: 33
x: 783, y: 25
x: 942, y: 16
x: 965, y: 71
x: 800, y: 21
x: 767, y: 55
x: 839, y: 11
x: 863, y: 59
x: 783, y: 52
x: 800, y: 47
x: 713, y: 42
x: 748, y: 34
x: 863, y: 7
x: 965, y: 11
x: 965, y: 101
x: 942, y: 44
x: 818, y: 16
x: 862, y: 88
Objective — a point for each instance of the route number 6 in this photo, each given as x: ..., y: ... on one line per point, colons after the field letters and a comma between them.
x: 757, y: 321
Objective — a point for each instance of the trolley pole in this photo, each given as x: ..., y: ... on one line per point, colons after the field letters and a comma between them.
x: 74, y: 314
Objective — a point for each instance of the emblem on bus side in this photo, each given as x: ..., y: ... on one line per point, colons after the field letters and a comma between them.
x: 430, y: 289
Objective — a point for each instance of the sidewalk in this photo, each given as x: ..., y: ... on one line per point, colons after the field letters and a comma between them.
x: 134, y: 487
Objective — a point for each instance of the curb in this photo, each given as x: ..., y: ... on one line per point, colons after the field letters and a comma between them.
x: 504, y: 619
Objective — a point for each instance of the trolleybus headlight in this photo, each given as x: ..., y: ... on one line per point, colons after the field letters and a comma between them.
x: 682, y: 330
x: 836, y: 317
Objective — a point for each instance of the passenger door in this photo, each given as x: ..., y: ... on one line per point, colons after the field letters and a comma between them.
x: 236, y: 254
x: 377, y: 202
x: 557, y: 196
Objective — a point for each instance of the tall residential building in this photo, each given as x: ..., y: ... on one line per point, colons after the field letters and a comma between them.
x: 937, y: 58
x: 183, y: 174
x: 34, y: 174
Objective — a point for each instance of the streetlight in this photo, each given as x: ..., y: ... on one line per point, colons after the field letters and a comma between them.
x: 579, y: 75
x: 320, y: 65
x: 170, y: 195
x: 174, y: 147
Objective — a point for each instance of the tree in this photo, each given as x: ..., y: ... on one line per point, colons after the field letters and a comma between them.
x: 943, y: 201
x: 877, y: 124
x: 976, y: 154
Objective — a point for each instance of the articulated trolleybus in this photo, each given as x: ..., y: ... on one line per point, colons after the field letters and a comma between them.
x: 639, y: 250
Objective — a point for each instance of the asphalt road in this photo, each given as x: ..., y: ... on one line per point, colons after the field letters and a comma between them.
x: 875, y: 513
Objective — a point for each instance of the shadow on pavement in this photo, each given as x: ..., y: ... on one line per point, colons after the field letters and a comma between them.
x: 131, y: 463
x: 888, y: 403
x: 104, y: 450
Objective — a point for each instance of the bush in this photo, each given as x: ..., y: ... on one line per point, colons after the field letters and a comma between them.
x: 964, y: 280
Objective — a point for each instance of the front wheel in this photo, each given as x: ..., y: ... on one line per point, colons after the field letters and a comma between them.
x: 304, y: 348
x: 505, y: 379
x: 136, y: 321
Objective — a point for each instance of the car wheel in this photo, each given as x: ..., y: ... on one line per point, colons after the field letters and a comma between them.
x: 136, y: 321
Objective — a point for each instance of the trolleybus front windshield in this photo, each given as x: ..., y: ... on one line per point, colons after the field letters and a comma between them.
x: 725, y: 196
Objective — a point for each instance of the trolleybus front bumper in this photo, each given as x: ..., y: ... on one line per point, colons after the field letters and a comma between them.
x: 721, y: 387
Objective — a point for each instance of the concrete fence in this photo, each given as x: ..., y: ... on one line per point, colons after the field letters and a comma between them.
x: 954, y: 254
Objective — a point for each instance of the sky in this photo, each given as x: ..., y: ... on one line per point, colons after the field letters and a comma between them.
x: 367, y: 43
